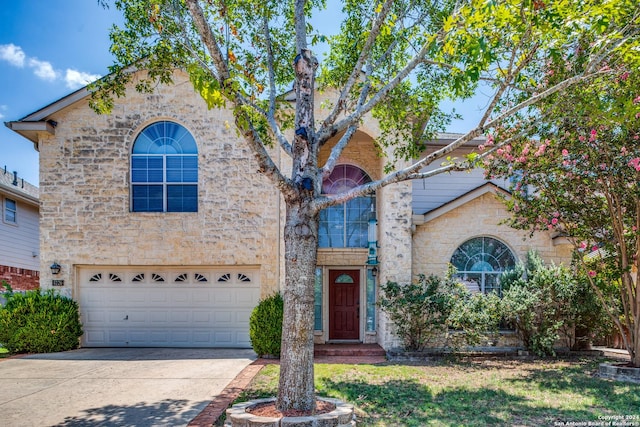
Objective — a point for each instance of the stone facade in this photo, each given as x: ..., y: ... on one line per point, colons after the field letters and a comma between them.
x: 434, y: 242
x: 86, y: 219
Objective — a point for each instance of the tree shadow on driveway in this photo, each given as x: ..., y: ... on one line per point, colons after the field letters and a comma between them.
x: 168, y: 412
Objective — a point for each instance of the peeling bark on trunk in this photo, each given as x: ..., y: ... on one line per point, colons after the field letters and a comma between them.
x: 296, y: 387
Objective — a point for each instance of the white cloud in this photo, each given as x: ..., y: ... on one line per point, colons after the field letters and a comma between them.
x: 3, y: 108
x: 13, y: 54
x: 76, y: 79
x: 43, y: 69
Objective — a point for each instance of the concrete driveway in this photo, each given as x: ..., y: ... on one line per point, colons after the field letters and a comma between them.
x: 115, y: 386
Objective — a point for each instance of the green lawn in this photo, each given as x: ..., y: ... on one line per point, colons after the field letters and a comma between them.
x: 472, y: 392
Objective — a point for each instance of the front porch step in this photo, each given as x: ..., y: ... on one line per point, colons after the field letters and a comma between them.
x: 348, y: 350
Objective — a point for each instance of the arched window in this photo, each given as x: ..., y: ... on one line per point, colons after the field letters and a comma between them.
x: 164, y: 170
x: 346, y: 225
x: 480, y: 262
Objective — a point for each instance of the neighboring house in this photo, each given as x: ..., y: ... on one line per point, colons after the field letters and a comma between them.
x: 19, y: 235
x: 167, y: 236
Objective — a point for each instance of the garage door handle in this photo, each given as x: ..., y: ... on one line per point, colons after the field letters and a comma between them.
x: 126, y: 317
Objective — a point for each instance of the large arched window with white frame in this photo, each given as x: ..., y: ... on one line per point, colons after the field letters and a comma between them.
x: 480, y: 262
x: 346, y: 225
x: 164, y: 169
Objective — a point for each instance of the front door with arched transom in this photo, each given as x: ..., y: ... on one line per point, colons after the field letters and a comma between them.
x: 344, y: 304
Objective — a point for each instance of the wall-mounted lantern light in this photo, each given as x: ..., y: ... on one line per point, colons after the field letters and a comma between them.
x: 374, y: 271
x: 372, y: 257
x: 55, y: 268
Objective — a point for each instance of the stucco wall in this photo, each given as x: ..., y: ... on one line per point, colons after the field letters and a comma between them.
x: 86, y: 216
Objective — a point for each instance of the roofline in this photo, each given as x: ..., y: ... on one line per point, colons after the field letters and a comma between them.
x: 26, y: 198
x: 467, y: 197
x: 56, y: 106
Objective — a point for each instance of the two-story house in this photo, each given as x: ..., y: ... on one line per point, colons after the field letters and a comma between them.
x: 19, y: 233
x: 167, y: 236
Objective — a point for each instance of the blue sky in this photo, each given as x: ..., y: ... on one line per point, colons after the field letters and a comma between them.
x: 48, y: 49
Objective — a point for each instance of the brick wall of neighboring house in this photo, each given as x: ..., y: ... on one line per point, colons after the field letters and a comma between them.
x: 20, y: 279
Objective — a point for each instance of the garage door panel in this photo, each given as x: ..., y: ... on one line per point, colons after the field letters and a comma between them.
x: 202, y: 318
x: 192, y: 307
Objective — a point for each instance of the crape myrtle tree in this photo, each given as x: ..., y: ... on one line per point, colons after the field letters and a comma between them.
x: 580, y: 176
x: 393, y: 60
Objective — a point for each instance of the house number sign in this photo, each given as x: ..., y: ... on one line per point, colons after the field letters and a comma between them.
x: 57, y: 283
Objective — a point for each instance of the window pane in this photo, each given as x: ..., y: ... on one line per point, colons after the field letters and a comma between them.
x: 358, y: 212
x: 480, y: 261
x: 10, y: 210
x: 371, y: 301
x: 317, y: 305
x: 164, y: 152
x: 147, y: 198
x: 182, y: 198
x: 331, y: 233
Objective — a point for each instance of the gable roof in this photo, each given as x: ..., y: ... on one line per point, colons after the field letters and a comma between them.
x: 38, y: 121
x: 469, y: 196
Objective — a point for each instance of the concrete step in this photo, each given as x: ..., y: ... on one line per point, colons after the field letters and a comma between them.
x: 348, y: 350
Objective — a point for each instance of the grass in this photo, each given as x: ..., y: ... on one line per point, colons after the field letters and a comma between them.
x: 4, y: 352
x: 473, y: 392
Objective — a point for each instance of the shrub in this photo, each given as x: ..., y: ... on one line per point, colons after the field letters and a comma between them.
x: 265, y: 326
x: 432, y: 308
x: 39, y: 322
x: 541, y: 304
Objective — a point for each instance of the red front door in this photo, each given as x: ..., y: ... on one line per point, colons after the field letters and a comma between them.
x: 344, y: 304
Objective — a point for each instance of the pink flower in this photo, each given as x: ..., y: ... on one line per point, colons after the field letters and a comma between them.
x: 592, y: 273
x: 481, y: 147
x: 636, y: 99
x: 581, y: 138
x: 623, y: 150
x: 594, y: 248
x: 635, y: 163
x: 554, y: 221
x: 499, y: 151
x: 583, y: 245
x: 624, y: 76
x: 565, y: 152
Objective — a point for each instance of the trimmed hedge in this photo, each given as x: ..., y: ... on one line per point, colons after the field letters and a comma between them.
x: 265, y: 326
x: 39, y: 322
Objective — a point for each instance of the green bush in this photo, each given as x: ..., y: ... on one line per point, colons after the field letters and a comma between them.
x: 419, y: 310
x: 433, y: 309
x: 39, y: 322
x: 265, y: 326
x: 542, y: 301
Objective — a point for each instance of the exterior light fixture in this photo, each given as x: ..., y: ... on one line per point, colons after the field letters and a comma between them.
x: 372, y: 244
x: 55, y: 268
x: 374, y: 271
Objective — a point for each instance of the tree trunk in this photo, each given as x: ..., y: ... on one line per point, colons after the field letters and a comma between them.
x: 296, y: 387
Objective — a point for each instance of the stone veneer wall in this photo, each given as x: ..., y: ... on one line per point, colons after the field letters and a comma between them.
x: 20, y: 279
x: 85, y: 208
x: 395, y: 255
x: 435, y: 241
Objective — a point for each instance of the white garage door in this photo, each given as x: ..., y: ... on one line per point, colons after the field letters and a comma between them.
x: 157, y: 307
